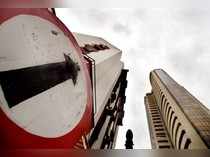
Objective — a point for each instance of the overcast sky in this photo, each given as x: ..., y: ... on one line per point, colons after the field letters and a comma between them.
x: 176, y: 40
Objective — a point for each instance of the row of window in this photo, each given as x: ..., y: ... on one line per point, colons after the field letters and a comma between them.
x: 87, y: 48
x: 174, y: 126
x: 178, y: 135
x: 158, y: 127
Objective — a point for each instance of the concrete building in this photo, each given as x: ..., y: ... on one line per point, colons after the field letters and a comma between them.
x: 109, y: 77
x: 176, y: 118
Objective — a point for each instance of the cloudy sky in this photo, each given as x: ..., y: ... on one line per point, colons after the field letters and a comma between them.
x: 176, y: 40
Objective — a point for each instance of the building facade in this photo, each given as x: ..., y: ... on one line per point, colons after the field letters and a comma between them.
x: 109, y: 82
x: 176, y: 118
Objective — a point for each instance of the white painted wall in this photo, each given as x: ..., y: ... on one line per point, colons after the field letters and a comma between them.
x: 108, y: 68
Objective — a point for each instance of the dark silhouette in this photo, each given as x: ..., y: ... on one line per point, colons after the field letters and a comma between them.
x: 129, y: 139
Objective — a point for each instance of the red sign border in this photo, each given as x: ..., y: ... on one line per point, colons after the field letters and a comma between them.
x: 13, y: 136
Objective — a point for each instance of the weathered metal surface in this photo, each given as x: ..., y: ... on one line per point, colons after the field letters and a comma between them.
x: 45, y: 96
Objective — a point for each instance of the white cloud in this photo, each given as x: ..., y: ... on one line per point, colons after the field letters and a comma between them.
x: 176, y: 40
x: 133, y: 4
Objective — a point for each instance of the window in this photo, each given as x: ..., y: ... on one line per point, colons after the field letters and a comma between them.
x: 159, y: 129
x: 156, y: 121
x: 177, y: 129
x: 173, y: 123
x: 161, y: 103
x: 87, y: 48
x: 164, y: 105
x: 152, y: 107
x: 159, y: 99
x: 155, y: 118
x: 170, y: 120
x: 155, y: 115
x: 100, y: 46
x: 153, y: 110
x: 187, y: 144
x: 160, y: 134
x: 158, y: 125
x: 166, y: 146
x: 165, y: 110
x: 159, y: 96
x: 162, y: 141
x: 181, y: 138
x: 168, y: 114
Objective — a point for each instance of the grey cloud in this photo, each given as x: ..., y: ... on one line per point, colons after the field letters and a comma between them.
x: 99, y: 16
x: 176, y: 40
x: 193, y: 15
x: 140, y: 13
x: 91, y: 17
x: 118, y: 27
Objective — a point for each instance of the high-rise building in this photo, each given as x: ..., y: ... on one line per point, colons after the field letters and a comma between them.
x: 176, y: 118
x: 108, y: 89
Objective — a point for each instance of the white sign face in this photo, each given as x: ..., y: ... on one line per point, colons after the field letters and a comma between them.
x: 42, y: 81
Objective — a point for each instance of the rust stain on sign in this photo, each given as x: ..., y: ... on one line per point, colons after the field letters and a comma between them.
x: 54, y: 32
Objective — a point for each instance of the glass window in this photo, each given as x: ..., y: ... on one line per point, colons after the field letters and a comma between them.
x: 181, y: 138
x: 187, y: 144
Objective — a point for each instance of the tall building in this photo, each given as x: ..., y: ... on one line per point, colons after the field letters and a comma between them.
x: 108, y: 89
x: 176, y: 118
